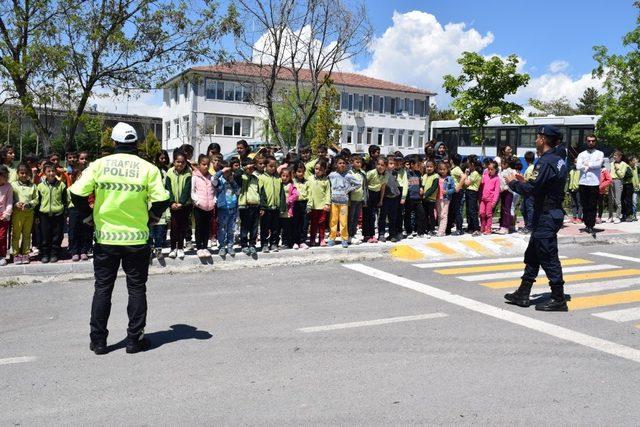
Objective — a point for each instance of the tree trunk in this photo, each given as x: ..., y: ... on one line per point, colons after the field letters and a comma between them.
x: 75, y: 120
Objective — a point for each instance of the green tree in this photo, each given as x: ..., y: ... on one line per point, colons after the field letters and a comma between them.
x: 436, y: 113
x: 287, y: 117
x: 479, y: 91
x: 588, y: 103
x: 105, y: 138
x: 150, y: 145
x: 326, y: 128
x: 620, y: 103
x: 556, y: 107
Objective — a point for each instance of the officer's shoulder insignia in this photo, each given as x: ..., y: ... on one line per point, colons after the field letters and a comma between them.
x: 561, y: 164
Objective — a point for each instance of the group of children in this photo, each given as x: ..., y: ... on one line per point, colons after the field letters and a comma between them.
x: 256, y: 201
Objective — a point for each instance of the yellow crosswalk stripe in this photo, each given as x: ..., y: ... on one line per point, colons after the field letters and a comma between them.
x: 406, y: 252
x: 505, y: 267
x: 569, y: 278
x: 592, y: 301
x: 501, y: 241
x: 442, y: 248
x: 477, y: 247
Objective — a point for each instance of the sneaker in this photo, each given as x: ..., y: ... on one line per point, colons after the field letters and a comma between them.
x: 304, y: 246
x: 598, y: 220
x: 44, y: 260
x: 345, y: 244
x: 265, y: 249
x: 173, y: 254
x: 136, y: 346
x: 98, y: 347
x: 616, y: 220
x: 253, y: 250
x: 476, y: 234
x: 330, y: 243
x: 35, y: 251
x: 181, y: 253
x: 222, y: 252
x: 231, y: 252
x: 410, y: 236
x: 246, y: 251
x: 420, y: 236
x: 382, y: 239
x: 275, y: 248
x: 323, y: 243
x: 85, y: 257
x: 372, y: 240
x: 75, y: 258
x: 502, y: 231
x: 355, y: 241
x: 53, y: 259
x: 393, y: 239
x: 25, y: 259
x: 296, y: 246
x: 17, y: 259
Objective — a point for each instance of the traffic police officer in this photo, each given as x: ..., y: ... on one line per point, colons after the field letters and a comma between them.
x: 125, y: 186
x: 548, y: 217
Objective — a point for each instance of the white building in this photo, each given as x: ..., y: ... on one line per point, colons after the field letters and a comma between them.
x: 214, y: 104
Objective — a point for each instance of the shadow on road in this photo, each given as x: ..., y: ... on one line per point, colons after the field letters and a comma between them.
x: 175, y: 333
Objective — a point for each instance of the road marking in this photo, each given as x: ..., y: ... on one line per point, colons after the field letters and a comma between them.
x: 406, y: 253
x: 14, y: 360
x: 518, y: 273
x: 376, y: 322
x: 505, y: 267
x: 614, y: 256
x: 601, y: 300
x: 477, y: 247
x: 570, y: 278
x: 586, y: 288
x: 442, y: 248
x: 468, y: 262
x: 501, y: 241
x: 620, y: 316
x: 550, y: 329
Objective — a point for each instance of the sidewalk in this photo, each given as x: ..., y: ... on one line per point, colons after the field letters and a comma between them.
x: 433, y: 249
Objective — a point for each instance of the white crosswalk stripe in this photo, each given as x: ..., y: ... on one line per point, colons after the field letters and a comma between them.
x: 624, y: 315
x: 518, y: 273
x: 590, y: 287
x: 614, y: 256
x: 469, y: 263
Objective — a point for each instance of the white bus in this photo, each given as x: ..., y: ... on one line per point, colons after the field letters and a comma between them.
x: 520, y: 137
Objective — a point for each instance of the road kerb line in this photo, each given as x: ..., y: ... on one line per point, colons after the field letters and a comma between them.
x: 550, y: 329
x: 375, y: 322
x: 14, y: 360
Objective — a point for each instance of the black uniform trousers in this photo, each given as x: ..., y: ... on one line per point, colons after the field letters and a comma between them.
x: 543, y: 250
x: 51, y: 234
x: 415, y: 207
x: 455, y: 212
x: 249, y: 218
x: 270, y: 227
x: 589, y: 200
x: 106, y: 262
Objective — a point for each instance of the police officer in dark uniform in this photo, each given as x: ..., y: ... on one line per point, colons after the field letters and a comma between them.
x: 548, y: 217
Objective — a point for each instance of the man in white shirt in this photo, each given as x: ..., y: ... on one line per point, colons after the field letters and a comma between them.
x: 589, y: 163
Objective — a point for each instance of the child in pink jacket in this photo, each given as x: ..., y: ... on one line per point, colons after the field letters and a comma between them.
x: 203, y: 203
x: 6, y: 207
x: 291, y: 195
x: 490, y: 196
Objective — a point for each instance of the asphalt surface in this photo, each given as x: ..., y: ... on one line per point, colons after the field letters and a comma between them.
x: 227, y: 349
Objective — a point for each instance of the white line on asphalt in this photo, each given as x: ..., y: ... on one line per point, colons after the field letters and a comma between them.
x: 624, y: 315
x: 518, y: 273
x: 372, y: 322
x: 467, y: 263
x: 503, y: 314
x: 614, y: 256
x: 13, y: 360
x: 586, y: 288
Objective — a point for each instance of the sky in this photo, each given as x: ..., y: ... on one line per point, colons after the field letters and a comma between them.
x: 417, y: 42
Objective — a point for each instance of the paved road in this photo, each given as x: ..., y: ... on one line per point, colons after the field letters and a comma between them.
x: 333, y: 345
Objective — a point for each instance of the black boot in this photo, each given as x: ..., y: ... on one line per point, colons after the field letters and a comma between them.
x: 135, y: 345
x: 558, y: 301
x: 98, y: 347
x: 521, y: 296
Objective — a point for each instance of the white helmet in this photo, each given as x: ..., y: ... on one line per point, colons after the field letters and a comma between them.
x: 124, y: 133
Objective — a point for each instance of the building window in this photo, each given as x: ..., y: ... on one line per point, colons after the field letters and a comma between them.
x: 421, y: 140
x: 360, y: 102
x: 380, y: 137
x: 350, y: 102
x: 228, y: 126
x: 409, y: 105
x: 400, y: 134
x: 344, y: 101
x: 185, y: 89
x: 349, y: 135
x: 399, y: 105
x: 369, y: 134
x: 167, y: 129
x: 227, y: 91
x: 176, y: 127
x: 174, y: 92
x: 393, y: 105
x: 185, y: 126
x: 369, y: 103
x: 381, y: 106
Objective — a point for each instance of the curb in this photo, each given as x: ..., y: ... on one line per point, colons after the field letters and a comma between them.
x: 604, y: 239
